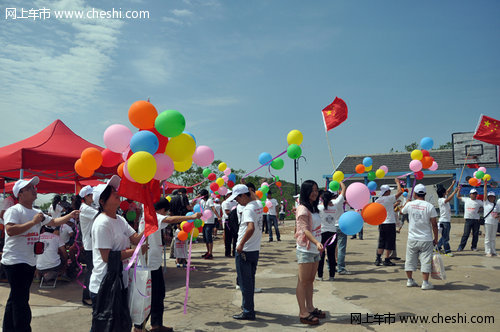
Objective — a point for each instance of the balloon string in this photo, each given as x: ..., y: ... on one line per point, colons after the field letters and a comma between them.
x: 413, y: 187
x: 255, y: 170
x: 331, y: 240
x: 136, y: 253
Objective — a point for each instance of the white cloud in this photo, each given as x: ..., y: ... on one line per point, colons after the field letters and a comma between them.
x: 181, y: 12
x: 171, y: 20
x: 155, y: 66
x: 217, y: 101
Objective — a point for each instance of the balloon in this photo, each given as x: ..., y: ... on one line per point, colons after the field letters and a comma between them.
x: 294, y: 137
x: 82, y: 170
x: 142, y: 115
x: 195, y: 233
x: 338, y: 176
x: 278, y: 184
x: 142, y: 166
x: 482, y: 169
x: 269, y: 204
x: 170, y: 123
x: 334, y: 186
x: 187, y: 226
x: 265, y: 158
x: 131, y: 215
x: 225, y: 178
x: 265, y: 209
x: 126, y: 173
x: 181, y: 147
x: 214, y: 186
x: 183, y: 165
x: 415, y: 165
x: 190, y: 134
x: 110, y: 158
x: 380, y: 173
x: 144, y: 141
x: 164, y: 166
x: 91, y: 158
x: 372, y: 185
x: 473, y: 182
x: 371, y: 176
x: 207, y: 214
x: 384, y: 168
x: 416, y: 155
x: 479, y: 174
x: 264, y: 184
x: 162, y: 140
x: 426, y: 143
x: 360, y: 168
x: 126, y: 154
x: 169, y: 199
x: 350, y: 223
x: 425, y: 153
x: 405, y: 194
x: 197, y: 223
x: 419, y: 175
x: 259, y: 194
x: 232, y: 177
x: 206, y: 172
x: 227, y: 171
x: 374, y: 214
x: 203, y: 156
x: 124, y: 205
x: 117, y: 137
x: 487, y: 177
x: 367, y: 161
x: 220, y: 182
x: 223, y: 190
x: 230, y: 184
x: 427, y: 162
x: 277, y: 163
x: 197, y: 208
x: 119, y: 169
x: 182, y: 236
x: 357, y: 195
x: 211, y: 176
x: 276, y: 178
x: 294, y: 151
x: 369, y: 168
x: 434, y: 166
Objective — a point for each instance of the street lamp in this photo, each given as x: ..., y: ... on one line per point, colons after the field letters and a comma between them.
x: 296, y: 168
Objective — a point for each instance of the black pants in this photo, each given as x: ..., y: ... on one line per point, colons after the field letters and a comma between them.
x: 87, y: 259
x: 264, y: 223
x: 17, y: 316
x: 470, y: 225
x: 157, y: 298
x: 330, y: 251
x: 229, y: 240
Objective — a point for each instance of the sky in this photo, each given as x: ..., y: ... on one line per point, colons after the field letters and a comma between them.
x: 245, y: 73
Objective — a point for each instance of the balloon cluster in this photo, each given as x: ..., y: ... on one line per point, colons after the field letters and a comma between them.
x: 130, y: 214
x: 193, y: 228
x: 262, y: 194
x: 479, y: 176
x: 220, y: 185
x: 294, y: 139
x: 421, y: 159
x: 367, y: 166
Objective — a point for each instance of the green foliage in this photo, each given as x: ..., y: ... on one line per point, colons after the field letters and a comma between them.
x: 445, y: 146
x: 412, y: 146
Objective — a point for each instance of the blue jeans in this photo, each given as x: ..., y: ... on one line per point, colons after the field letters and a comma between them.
x: 342, y: 246
x: 208, y: 230
x: 470, y: 225
x: 444, y: 241
x: 246, y: 266
x: 272, y: 220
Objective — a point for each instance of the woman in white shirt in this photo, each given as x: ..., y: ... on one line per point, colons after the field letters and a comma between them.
x: 490, y: 213
x: 55, y: 209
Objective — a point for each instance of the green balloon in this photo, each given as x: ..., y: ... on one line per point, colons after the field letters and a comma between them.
x: 131, y: 215
x: 206, y: 172
x: 277, y: 163
x: 294, y: 151
x: 371, y: 175
x: 264, y: 189
x: 198, y: 223
x: 479, y: 174
x: 170, y: 123
x: 334, y: 186
x: 276, y: 178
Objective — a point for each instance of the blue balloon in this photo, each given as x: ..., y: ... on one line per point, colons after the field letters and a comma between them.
x: 187, y: 132
x: 350, y: 223
x: 265, y: 158
x: 372, y: 185
x: 232, y: 177
x: 405, y: 194
x: 426, y: 143
x: 197, y: 208
x: 189, y: 213
x: 144, y: 141
x: 367, y: 162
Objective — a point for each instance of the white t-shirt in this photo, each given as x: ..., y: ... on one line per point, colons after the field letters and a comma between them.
x: 65, y: 233
x: 50, y: 257
x: 316, y: 232
x: 444, y: 210
x: 388, y: 203
x: 419, y: 216
x: 155, y: 250
x: 55, y: 213
x: 329, y: 217
x: 252, y: 213
x: 87, y: 215
x: 471, y: 208
x: 20, y: 248
x: 272, y: 209
x: 7, y: 203
x: 492, y: 218
x: 227, y: 205
x: 108, y: 233
x: 207, y: 205
x: 218, y: 208
x: 180, y: 247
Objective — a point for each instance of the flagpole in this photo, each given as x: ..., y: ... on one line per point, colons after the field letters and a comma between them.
x: 330, y: 149
x: 465, y: 163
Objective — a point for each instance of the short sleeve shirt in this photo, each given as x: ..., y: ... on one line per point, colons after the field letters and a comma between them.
x: 419, y: 216
x: 252, y: 213
x: 388, y: 203
x: 471, y: 208
x: 444, y: 210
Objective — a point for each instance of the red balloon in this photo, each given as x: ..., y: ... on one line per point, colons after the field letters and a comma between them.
x: 427, y: 162
x: 161, y: 139
x: 425, y: 153
x: 212, y: 177
x: 419, y: 175
x: 110, y: 158
x: 214, y: 186
x: 124, y: 205
x: 187, y: 227
x: 230, y: 184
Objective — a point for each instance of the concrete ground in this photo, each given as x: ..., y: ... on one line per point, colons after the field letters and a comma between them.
x: 378, y: 294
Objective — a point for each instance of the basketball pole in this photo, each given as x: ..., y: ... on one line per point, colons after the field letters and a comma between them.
x: 465, y: 163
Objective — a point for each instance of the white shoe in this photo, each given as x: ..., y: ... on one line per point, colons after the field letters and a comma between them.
x: 450, y: 254
x: 411, y: 283
x: 489, y: 255
x: 427, y: 286
x: 257, y: 290
x: 319, y: 278
x: 237, y: 287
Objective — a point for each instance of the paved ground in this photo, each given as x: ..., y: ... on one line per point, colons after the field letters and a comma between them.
x: 377, y: 293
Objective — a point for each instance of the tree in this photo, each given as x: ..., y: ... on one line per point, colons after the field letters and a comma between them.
x: 411, y: 147
x: 447, y: 145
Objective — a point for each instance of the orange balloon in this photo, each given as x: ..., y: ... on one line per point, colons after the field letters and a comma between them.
x: 82, y: 170
x: 473, y: 182
x: 182, y: 236
x: 266, y: 209
x: 360, y: 168
x: 91, y: 158
x: 119, y: 169
x: 142, y: 114
x: 374, y: 214
x: 259, y: 193
x: 427, y: 162
x: 278, y: 184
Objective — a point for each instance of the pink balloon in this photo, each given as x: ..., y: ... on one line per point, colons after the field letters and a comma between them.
x: 126, y: 173
x: 482, y: 169
x: 264, y: 184
x: 203, y: 156
x: 227, y: 171
x: 117, y: 138
x: 164, y: 166
x: 269, y: 204
x: 384, y: 168
x: 434, y: 166
x: 222, y: 190
x: 474, y: 174
x: 225, y: 178
x: 125, y: 154
x: 415, y: 165
x: 357, y: 195
x: 207, y: 214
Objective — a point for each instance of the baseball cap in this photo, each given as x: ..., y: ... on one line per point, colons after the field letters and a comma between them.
x: 238, y: 190
x: 87, y: 190
x: 20, y: 184
x: 491, y: 193
x: 384, y: 188
x: 97, y: 191
x: 473, y: 191
x: 420, y: 189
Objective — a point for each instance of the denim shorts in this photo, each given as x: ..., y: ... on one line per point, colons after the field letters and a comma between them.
x: 207, y: 233
x: 307, y: 257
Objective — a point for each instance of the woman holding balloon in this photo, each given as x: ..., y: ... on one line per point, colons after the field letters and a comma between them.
x: 309, y: 247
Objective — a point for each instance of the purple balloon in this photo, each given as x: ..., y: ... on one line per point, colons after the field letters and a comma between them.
x: 357, y: 195
x: 203, y: 156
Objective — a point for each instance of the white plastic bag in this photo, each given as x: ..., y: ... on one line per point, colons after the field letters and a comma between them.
x: 438, y: 271
x: 139, y: 294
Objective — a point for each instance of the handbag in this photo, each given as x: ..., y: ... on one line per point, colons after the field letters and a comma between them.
x: 482, y: 219
x: 438, y: 271
x: 139, y: 293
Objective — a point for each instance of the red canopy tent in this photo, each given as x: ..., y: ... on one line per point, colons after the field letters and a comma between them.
x: 57, y: 186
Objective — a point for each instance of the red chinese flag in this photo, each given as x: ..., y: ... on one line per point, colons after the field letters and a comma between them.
x: 334, y: 114
x: 488, y: 130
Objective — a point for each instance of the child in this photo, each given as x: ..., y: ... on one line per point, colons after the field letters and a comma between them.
x: 180, y: 249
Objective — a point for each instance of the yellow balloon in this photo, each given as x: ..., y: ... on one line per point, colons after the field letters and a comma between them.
x: 416, y: 155
x: 487, y: 177
x: 338, y: 176
x: 222, y: 166
x: 184, y: 165
x: 181, y: 147
x: 380, y: 173
x: 169, y: 198
x: 220, y: 182
x: 202, y: 223
x: 369, y: 168
x: 195, y: 232
x: 294, y: 137
x: 141, y: 166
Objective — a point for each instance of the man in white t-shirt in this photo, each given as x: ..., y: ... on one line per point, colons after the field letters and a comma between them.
x: 230, y: 235
x: 387, y: 230
x: 471, y: 215
x: 248, y: 247
x: 422, y: 237
x: 445, y: 216
x: 272, y: 217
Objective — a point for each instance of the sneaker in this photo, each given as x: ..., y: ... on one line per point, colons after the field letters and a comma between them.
x: 427, y: 285
x: 460, y: 249
x: 449, y: 254
x: 474, y: 249
x: 396, y: 258
x: 270, y: 240
x: 178, y: 265
x: 204, y: 255
x: 257, y: 290
x: 319, y: 278
x: 331, y: 279
x: 378, y: 262
x: 411, y: 283
x: 345, y: 272
x: 209, y: 256
x: 489, y: 255
x: 388, y: 263
x: 237, y: 287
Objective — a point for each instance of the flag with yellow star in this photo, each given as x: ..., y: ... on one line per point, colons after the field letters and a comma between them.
x: 334, y: 114
x: 488, y: 130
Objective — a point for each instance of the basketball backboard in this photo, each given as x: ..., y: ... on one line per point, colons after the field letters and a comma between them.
x: 476, y: 152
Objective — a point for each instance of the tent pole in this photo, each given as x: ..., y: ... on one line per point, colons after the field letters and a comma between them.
x: 21, y: 173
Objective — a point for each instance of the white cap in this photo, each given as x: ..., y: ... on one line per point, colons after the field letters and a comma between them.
x: 491, y: 193
x: 238, y: 190
x: 87, y: 190
x: 217, y: 200
x: 420, y: 189
x: 384, y: 188
x: 113, y: 182
x: 296, y: 196
x: 473, y: 191
x: 229, y: 192
x: 20, y: 184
